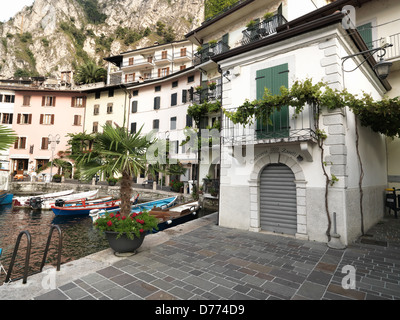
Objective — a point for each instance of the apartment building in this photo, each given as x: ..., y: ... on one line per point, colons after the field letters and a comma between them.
x: 152, y: 62
x: 159, y: 107
x: 105, y: 104
x: 155, y: 85
x: 42, y: 119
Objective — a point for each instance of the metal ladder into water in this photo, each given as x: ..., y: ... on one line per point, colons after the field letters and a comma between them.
x: 28, y: 253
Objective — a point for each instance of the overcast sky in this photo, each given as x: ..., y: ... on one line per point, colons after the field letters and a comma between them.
x: 10, y: 7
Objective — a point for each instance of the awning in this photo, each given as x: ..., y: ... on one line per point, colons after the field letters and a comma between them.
x: 19, y: 156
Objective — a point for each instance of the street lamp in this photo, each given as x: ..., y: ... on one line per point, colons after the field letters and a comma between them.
x: 382, y: 68
x: 53, y: 140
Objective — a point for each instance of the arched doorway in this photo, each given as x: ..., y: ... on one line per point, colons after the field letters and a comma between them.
x: 278, y: 199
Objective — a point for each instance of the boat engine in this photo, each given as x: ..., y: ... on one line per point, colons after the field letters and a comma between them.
x: 35, y: 203
x: 59, y: 203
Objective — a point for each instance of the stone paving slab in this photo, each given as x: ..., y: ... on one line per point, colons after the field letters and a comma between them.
x: 215, y: 263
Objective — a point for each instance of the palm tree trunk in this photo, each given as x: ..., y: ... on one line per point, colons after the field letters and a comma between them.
x: 126, y: 193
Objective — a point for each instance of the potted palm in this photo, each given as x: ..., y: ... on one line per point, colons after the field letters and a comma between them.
x: 116, y: 152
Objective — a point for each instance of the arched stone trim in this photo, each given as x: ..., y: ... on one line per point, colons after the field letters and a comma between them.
x: 254, y: 184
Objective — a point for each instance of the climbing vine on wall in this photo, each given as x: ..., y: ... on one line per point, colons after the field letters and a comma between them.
x: 381, y: 116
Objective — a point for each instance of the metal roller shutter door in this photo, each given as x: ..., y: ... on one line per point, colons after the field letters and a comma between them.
x: 278, y: 207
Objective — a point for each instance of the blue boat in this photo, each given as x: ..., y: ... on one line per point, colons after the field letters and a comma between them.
x: 162, y: 203
x: 6, y: 198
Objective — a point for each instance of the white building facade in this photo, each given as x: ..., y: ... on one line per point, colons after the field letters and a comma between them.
x: 271, y: 176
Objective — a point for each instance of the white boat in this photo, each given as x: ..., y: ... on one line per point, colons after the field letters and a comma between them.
x: 24, y: 201
x: 46, y: 204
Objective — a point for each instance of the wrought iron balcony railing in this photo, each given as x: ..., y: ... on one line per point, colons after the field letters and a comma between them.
x: 283, y: 126
x: 263, y: 29
x: 206, y: 53
x: 208, y: 94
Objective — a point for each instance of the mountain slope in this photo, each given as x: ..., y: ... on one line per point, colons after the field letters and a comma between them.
x: 59, y: 35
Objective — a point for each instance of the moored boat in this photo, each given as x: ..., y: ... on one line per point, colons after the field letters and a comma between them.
x: 164, y: 203
x: 173, y: 216
x: 87, y: 195
x: 5, y: 197
x: 85, y: 208
x: 24, y: 201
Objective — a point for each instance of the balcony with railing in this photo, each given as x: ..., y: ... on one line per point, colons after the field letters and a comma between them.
x: 283, y: 126
x: 137, y: 63
x: 207, y: 94
x: 183, y: 56
x: 162, y: 58
x: 262, y: 29
x: 392, y: 53
x: 205, y: 53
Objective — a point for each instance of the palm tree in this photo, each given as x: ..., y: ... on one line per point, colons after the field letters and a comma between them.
x: 116, y: 152
x: 7, y: 138
x: 90, y: 73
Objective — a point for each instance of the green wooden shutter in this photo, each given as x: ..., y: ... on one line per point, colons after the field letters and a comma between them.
x: 225, y: 41
x: 366, y: 33
x: 277, y: 126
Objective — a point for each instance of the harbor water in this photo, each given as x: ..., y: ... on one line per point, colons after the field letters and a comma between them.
x: 80, y: 238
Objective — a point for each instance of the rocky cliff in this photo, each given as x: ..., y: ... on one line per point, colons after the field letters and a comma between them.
x: 59, y: 35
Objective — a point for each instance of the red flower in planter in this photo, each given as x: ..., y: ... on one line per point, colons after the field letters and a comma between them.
x: 111, y: 215
x: 109, y: 223
x: 141, y: 230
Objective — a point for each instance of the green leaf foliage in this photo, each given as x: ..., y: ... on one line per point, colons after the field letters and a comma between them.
x: 381, y: 116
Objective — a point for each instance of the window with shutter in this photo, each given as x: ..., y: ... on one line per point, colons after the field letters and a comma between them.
x: 22, y: 143
x: 365, y: 31
x: 183, y: 52
x: 77, y: 120
x: 133, y: 127
x: 27, y: 101
x: 45, y: 143
x: 174, y: 98
x: 173, y: 123
x: 48, y: 101
x: 109, y: 108
x: 184, y: 96
x: 134, y: 106
x: 157, y: 103
x: 277, y: 125
x: 189, y: 121
x: 156, y: 124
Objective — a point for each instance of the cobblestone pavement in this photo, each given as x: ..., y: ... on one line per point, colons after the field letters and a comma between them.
x: 212, y: 263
